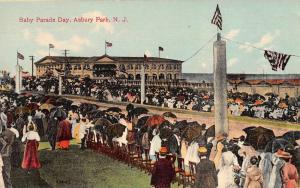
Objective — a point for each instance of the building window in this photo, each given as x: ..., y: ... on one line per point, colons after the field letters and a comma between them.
x: 86, y: 67
x: 153, y: 66
x: 129, y: 66
x: 138, y: 77
x: 175, y: 77
x: 154, y: 77
x: 174, y: 66
x: 130, y: 77
x: 146, y: 67
x: 169, y: 76
x: 161, y: 76
x: 161, y: 67
x: 122, y: 68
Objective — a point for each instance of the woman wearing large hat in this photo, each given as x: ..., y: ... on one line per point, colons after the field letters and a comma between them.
x: 206, y: 174
x: 32, y: 138
x: 289, y: 171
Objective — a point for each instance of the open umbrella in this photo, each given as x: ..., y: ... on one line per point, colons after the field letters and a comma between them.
x: 192, y: 131
x: 139, y: 110
x: 114, y: 109
x: 101, y: 125
x: 276, y: 144
x: 116, y: 130
x: 258, y: 137
x: 258, y: 102
x: 102, y: 122
x: 283, y: 105
x: 181, y: 125
x: 47, y: 106
x: 239, y: 101
x: 97, y: 114
x: 22, y: 110
x: 51, y: 101
x: 33, y: 106
x: 291, y: 136
x: 210, y: 132
x: 129, y: 107
x: 154, y: 120
x: 165, y: 133
x: 141, y: 122
x: 58, y: 113
x: 169, y: 115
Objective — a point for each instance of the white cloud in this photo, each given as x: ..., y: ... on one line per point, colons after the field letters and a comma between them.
x: 232, y: 62
x: 245, y: 47
x: 232, y: 33
x: 265, y: 40
x: 74, y: 43
x: 97, y: 25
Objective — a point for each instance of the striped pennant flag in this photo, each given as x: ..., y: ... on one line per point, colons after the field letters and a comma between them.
x: 108, y: 44
x: 20, y: 56
x: 277, y: 60
x: 217, y: 18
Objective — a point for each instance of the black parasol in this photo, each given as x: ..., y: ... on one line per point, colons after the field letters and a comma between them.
x: 258, y: 137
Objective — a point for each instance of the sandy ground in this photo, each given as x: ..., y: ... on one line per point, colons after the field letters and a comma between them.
x: 235, y: 127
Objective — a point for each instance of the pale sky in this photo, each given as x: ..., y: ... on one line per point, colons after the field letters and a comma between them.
x: 180, y: 27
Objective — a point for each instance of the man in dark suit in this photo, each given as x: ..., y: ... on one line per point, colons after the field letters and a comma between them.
x: 206, y: 174
x: 163, y: 171
x: 174, y: 142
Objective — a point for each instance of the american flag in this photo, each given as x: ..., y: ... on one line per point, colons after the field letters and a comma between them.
x: 108, y: 44
x: 160, y: 48
x: 277, y: 60
x: 217, y: 18
x: 20, y: 56
x: 51, y: 46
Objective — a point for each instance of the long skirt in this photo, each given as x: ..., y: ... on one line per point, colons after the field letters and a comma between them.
x: 30, y: 159
x: 64, y: 144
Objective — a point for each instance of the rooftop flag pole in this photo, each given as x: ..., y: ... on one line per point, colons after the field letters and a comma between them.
x: 105, y: 46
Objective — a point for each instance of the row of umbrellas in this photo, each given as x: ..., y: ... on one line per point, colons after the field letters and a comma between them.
x: 263, y: 138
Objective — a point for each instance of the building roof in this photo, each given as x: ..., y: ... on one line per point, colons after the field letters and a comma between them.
x: 295, y: 82
x: 72, y: 59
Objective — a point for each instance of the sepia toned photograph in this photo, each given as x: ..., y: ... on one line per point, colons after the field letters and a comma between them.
x: 149, y: 94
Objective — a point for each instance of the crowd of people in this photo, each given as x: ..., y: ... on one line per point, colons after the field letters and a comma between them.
x: 270, y: 106
x: 220, y: 161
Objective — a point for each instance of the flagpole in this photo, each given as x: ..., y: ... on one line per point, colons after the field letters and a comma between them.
x: 17, y: 58
x: 158, y: 52
x: 105, y: 46
x: 49, y: 49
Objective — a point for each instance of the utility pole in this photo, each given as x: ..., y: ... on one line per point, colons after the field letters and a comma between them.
x: 66, y: 72
x: 32, y: 59
x: 67, y: 65
x: 65, y: 52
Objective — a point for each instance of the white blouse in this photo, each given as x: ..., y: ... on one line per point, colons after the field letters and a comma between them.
x: 31, y: 135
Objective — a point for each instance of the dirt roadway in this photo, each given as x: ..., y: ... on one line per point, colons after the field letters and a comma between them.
x: 235, y: 127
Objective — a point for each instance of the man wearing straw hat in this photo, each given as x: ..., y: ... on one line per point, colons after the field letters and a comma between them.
x: 163, y: 171
x: 206, y: 174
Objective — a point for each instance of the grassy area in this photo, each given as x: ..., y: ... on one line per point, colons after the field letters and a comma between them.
x: 269, y: 123
x: 75, y: 168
